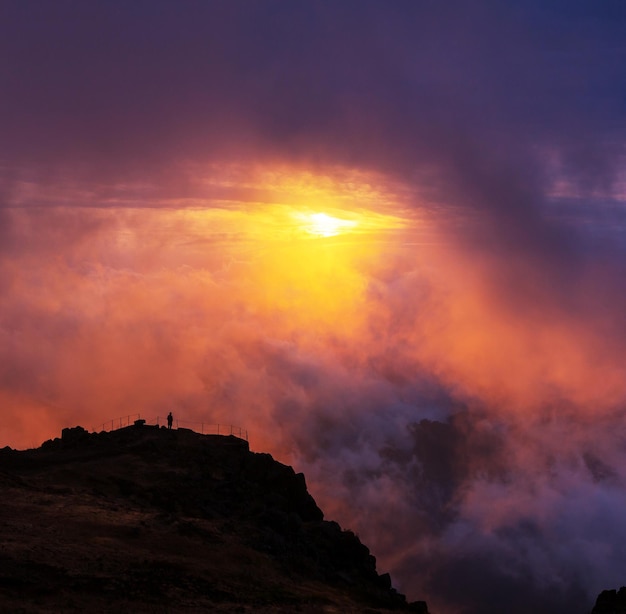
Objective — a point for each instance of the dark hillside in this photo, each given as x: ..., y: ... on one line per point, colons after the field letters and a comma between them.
x: 149, y: 520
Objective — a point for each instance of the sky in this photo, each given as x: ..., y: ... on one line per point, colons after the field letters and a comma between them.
x: 386, y: 238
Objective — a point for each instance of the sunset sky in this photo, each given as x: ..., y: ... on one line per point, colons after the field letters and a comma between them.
x: 387, y: 237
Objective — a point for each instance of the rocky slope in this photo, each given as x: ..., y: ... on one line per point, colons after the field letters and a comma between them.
x: 149, y: 520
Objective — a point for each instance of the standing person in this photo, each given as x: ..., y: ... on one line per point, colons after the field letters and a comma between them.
x: 170, y: 419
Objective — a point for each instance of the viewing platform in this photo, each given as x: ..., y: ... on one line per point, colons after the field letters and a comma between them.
x: 204, y: 428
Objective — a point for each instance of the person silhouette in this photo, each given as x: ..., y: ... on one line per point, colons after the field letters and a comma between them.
x: 170, y: 419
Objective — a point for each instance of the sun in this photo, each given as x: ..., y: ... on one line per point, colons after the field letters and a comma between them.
x: 324, y: 225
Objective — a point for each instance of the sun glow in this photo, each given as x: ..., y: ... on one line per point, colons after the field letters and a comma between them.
x: 324, y: 225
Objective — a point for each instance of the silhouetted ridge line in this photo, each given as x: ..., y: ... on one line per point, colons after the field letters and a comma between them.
x: 147, y: 519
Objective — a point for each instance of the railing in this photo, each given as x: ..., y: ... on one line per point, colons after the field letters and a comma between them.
x: 117, y: 423
x: 205, y: 428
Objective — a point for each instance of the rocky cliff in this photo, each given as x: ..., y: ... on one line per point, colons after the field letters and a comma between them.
x: 149, y: 520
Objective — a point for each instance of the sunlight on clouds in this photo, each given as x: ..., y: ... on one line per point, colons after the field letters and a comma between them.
x: 269, y: 204
x: 324, y: 225
x: 287, y: 261
x: 176, y: 294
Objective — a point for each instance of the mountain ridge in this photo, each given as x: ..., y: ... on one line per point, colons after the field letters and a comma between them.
x: 155, y: 520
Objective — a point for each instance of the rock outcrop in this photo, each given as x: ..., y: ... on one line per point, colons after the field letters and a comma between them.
x: 611, y: 602
x: 149, y: 520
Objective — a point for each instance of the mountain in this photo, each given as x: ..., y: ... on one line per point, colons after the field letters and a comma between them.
x: 149, y: 520
x: 611, y: 602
